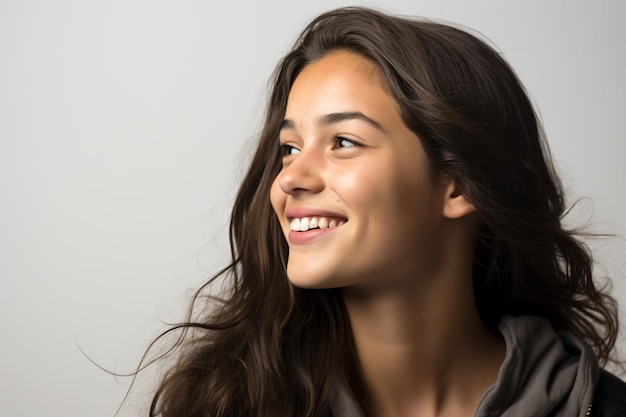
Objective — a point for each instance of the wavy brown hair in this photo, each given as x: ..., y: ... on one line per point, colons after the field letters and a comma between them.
x: 267, y: 348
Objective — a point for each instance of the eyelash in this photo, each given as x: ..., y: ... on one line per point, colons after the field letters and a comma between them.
x: 340, y: 139
x: 285, y: 149
x: 338, y: 143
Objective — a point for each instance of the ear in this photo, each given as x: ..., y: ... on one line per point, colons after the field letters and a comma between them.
x: 455, y: 205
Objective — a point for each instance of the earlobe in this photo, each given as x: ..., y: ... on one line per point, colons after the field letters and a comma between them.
x: 455, y: 204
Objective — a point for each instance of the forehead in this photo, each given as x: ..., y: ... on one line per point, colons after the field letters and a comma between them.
x: 341, y: 65
x: 340, y: 81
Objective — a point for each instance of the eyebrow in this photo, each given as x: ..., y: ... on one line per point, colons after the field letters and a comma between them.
x: 333, y: 118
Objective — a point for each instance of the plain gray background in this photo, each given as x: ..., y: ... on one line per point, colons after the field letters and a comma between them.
x: 125, y: 127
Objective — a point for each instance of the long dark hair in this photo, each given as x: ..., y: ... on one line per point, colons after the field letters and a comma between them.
x: 267, y: 348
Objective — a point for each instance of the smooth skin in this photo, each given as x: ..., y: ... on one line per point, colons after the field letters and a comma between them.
x: 401, y: 247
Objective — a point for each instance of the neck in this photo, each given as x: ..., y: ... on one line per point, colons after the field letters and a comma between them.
x: 422, y: 348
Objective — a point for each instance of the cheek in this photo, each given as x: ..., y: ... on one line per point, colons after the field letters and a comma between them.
x: 380, y: 189
x: 358, y: 187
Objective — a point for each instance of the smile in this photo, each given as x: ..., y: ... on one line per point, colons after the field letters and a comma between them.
x: 302, y: 224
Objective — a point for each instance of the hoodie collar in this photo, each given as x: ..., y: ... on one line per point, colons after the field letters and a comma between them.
x: 544, y: 373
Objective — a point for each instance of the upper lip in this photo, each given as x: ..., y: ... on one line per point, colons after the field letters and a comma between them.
x: 300, y: 212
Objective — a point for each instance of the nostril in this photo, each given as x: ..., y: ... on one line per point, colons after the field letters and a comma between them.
x: 294, y: 184
x: 302, y: 172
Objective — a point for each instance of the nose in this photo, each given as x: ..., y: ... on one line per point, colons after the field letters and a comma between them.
x: 302, y: 173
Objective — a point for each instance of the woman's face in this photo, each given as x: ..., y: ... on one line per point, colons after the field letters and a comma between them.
x: 353, y: 197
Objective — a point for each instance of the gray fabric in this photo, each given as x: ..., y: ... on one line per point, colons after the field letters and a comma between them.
x: 544, y: 374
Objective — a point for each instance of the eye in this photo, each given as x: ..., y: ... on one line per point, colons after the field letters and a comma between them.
x: 287, y: 150
x: 343, y: 142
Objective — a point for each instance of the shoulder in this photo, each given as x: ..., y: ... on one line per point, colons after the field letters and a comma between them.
x: 610, y: 396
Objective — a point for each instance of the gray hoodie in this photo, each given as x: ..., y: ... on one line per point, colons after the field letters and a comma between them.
x: 545, y: 374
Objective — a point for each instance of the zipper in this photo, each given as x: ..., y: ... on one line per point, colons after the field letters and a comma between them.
x: 588, y: 413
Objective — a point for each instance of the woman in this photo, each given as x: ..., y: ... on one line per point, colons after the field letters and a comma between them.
x: 397, y: 246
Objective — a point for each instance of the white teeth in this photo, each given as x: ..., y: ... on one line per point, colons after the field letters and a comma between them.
x: 304, y: 224
x: 307, y: 223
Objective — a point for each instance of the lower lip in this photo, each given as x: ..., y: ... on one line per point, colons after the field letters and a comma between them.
x: 308, y: 236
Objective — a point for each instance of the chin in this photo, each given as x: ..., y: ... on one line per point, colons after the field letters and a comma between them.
x: 309, y: 284
x: 310, y: 280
